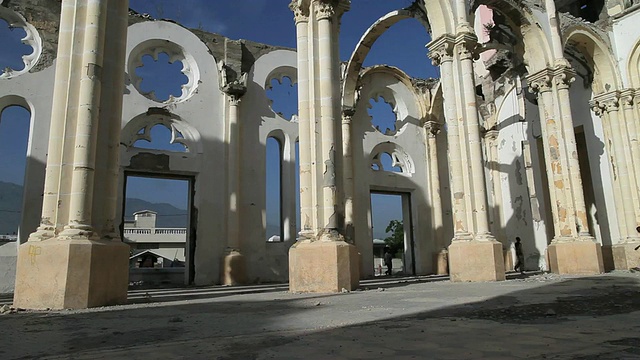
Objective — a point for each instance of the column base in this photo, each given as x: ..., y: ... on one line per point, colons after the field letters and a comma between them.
x: 476, y: 261
x: 581, y: 257
x: 234, y: 271
x: 323, y: 266
x: 508, y: 260
x: 71, y: 274
x: 625, y: 256
x: 441, y: 262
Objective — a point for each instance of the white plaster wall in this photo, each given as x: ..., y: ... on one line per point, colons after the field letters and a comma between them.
x: 34, y: 92
x: 267, y: 261
x: 624, y: 35
x: 603, y: 216
x: 203, y: 113
x: 411, y: 138
x: 517, y: 209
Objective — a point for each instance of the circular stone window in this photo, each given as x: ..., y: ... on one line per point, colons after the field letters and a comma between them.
x: 161, y: 71
x: 20, y: 43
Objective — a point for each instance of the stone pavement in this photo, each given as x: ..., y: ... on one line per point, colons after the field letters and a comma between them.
x: 536, y: 317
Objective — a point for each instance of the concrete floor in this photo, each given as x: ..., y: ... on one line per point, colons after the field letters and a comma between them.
x: 535, y: 317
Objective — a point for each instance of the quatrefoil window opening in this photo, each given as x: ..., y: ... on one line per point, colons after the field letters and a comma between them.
x: 16, y: 49
x: 161, y: 77
x: 383, y: 115
x: 161, y: 137
x: 282, y: 93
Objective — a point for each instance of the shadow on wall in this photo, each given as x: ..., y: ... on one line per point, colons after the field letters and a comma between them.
x: 559, y: 319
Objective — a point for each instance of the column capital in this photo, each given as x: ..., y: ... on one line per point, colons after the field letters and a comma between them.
x: 563, y: 76
x: 491, y: 135
x: 607, y: 102
x: 300, y: 13
x: 432, y: 127
x: 441, y: 49
x: 347, y: 115
x: 627, y: 97
x: 235, y: 91
x: 467, y: 44
x: 329, y: 9
x: 540, y: 82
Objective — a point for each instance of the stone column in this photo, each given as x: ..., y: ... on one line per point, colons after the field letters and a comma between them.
x: 473, y: 256
x: 67, y: 263
x: 573, y: 250
x: 441, y: 53
x: 627, y: 98
x: 491, y: 142
x: 348, y: 169
x: 563, y: 77
x: 432, y: 129
x: 324, y: 261
x: 301, y: 17
x: 234, y: 263
x: 624, y: 255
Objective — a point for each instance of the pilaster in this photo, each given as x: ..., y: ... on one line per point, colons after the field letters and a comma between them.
x: 432, y: 130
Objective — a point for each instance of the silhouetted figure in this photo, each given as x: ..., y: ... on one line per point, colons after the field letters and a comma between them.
x: 388, y: 259
x: 520, y: 256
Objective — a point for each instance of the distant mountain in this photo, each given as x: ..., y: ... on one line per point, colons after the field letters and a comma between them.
x: 10, y: 207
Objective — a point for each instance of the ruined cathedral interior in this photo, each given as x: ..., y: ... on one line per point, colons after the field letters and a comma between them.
x: 530, y: 131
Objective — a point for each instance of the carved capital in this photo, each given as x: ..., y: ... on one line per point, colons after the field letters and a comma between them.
x: 324, y: 10
x: 563, y: 76
x: 300, y: 14
x: 347, y: 115
x: 441, y: 50
x: 596, y: 108
x: 540, y: 82
x: 491, y: 136
x: 607, y: 102
x: 628, y: 98
x: 433, y: 128
x: 467, y: 45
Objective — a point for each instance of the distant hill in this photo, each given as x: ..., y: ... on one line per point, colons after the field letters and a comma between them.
x: 10, y: 207
x: 169, y: 216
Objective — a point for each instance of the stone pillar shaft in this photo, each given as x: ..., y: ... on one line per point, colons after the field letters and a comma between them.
x: 442, y: 55
x: 233, y: 177
x: 81, y: 196
x: 577, y: 191
x: 116, y: 48
x: 478, y: 180
x: 326, y: 62
x: 348, y: 168
x: 623, y: 175
x: 432, y: 129
x: 304, y: 118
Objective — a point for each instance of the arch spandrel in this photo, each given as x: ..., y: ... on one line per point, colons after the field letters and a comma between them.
x: 594, y: 47
x: 354, y: 66
x: 633, y: 66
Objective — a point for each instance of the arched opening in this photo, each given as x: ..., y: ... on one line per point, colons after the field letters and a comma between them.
x: 273, y: 208
x: 283, y: 95
x: 14, y: 139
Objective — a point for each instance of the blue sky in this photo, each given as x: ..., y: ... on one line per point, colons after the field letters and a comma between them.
x: 266, y: 21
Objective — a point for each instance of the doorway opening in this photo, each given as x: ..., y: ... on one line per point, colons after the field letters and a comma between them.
x: 391, y: 230
x: 158, y: 225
